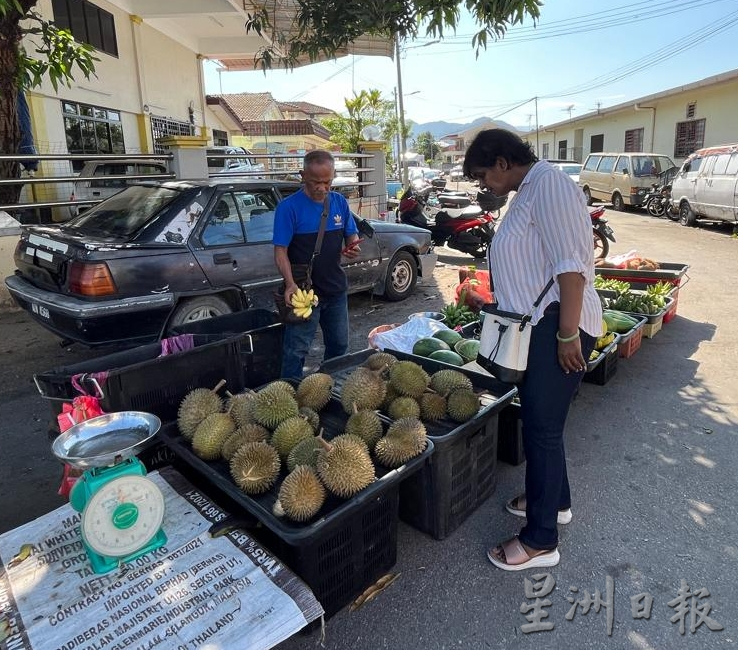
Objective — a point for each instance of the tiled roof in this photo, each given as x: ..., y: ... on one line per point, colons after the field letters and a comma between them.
x: 305, y: 107
x: 248, y: 106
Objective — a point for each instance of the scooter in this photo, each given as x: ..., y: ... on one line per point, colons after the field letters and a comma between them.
x: 658, y: 200
x: 601, y: 232
x: 467, y: 229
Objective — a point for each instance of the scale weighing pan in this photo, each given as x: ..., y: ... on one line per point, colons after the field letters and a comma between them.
x: 106, y: 439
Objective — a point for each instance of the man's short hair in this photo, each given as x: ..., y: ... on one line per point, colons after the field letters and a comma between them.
x: 318, y: 157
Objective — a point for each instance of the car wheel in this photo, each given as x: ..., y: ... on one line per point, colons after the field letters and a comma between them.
x: 588, y: 196
x: 618, y: 203
x: 687, y: 217
x: 402, y: 275
x: 194, y: 309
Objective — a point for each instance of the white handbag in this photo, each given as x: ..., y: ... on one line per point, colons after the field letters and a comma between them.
x: 505, y: 339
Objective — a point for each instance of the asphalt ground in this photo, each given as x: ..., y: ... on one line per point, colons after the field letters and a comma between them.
x: 651, y: 458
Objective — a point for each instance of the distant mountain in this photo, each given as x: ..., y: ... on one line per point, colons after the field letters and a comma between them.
x: 439, y: 129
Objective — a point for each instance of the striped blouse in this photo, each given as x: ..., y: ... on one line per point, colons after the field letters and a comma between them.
x: 545, y: 232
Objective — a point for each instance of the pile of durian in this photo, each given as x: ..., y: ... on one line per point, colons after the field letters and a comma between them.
x: 275, y: 430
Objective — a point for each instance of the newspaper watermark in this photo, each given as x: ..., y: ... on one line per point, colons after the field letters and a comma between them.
x: 691, y: 606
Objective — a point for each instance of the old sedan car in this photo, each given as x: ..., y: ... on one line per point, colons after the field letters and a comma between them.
x: 163, y: 253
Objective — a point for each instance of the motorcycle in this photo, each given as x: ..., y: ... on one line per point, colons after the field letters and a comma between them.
x: 658, y: 200
x: 601, y: 232
x: 467, y: 229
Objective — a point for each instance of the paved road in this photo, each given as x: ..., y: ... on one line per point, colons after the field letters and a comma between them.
x: 652, y: 459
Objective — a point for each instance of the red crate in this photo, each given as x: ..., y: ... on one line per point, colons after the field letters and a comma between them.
x: 629, y: 342
x: 671, y: 312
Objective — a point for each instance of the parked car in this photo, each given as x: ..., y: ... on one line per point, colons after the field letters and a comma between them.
x: 98, y: 179
x: 570, y: 168
x: 622, y: 179
x: 706, y: 186
x: 456, y: 173
x: 238, y: 161
x: 160, y: 254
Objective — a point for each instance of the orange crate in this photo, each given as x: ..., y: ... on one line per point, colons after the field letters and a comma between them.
x: 630, y: 341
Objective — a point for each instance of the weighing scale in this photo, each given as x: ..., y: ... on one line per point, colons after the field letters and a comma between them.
x: 122, y: 510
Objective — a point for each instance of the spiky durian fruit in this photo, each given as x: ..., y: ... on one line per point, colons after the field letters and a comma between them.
x: 462, y: 405
x: 195, y: 407
x: 289, y: 433
x: 344, y: 466
x: 240, y: 407
x: 403, y: 407
x: 389, y: 396
x: 408, y: 378
x: 405, y: 439
x: 380, y: 360
x: 248, y: 433
x: 210, y: 435
x: 274, y: 405
x: 444, y: 381
x: 362, y: 389
x: 301, y: 494
x: 280, y: 385
x: 311, y: 416
x: 314, y: 391
x: 432, y: 407
x: 305, y: 452
x: 255, y: 467
x: 366, y: 425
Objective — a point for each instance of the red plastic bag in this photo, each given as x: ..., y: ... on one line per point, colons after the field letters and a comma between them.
x: 81, y: 408
x: 475, y: 289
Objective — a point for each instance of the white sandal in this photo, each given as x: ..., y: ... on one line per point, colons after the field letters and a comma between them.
x: 513, y: 507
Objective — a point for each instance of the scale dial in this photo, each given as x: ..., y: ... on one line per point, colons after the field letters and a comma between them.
x: 122, y: 516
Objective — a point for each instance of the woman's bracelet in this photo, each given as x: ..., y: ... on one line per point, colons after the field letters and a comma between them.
x: 567, y: 339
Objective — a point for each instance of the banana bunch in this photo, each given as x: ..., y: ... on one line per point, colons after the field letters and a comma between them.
x: 603, y: 341
x: 303, y: 302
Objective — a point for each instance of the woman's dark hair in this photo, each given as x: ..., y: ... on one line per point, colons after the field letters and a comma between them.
x: 492, y: 144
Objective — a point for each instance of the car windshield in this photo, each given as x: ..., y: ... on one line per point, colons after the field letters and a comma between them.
x: 571, y: 169
x: 125, y: 213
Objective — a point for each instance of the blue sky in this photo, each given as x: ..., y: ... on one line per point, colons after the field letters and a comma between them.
x: 578, y: 57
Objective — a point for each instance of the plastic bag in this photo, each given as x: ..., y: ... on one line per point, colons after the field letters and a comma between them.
x: 476, y: 290
x: 403, y: 338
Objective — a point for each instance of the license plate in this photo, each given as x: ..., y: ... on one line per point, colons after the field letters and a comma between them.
x: 40, y: 310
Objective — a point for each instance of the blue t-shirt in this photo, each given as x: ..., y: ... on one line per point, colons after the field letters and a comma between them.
x: 296, y: 224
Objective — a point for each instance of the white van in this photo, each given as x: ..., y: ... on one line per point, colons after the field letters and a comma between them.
x: 706, y: 186
x: 622, y: 179
x: 233, y: 160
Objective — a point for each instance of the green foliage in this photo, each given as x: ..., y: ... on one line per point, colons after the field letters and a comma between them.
x: 425, y: 143
x: 365, y: 108
x: 325, y: 27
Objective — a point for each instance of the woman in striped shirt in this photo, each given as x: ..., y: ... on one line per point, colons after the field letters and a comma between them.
x: 546, y: 232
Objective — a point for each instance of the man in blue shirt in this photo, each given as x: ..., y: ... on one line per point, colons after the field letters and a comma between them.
x: 296, y: 224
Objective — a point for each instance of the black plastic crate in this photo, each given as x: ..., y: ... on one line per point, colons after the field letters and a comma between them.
x: 461, y: 474
x: 141, y: 380
x: 603, y: 369
x: 344, y: 548
x: 260, y: 332
x: 510, y: 435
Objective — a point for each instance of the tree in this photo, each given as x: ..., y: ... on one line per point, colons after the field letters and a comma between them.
x: 425, y: 143
x: 365, y: 108
x: 57, y: 56
x: 324, y: 27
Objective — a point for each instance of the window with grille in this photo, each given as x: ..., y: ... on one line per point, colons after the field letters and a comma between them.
x: 597, y: 143
x: 691, y: 110
x: 220, y: 138
x: 562, y: 150
x: 544, y: 150
x: 91, y: 129
x: 163, y: 126
x: 634, y: 140
x: 689, y: 137
x: 87, y: 23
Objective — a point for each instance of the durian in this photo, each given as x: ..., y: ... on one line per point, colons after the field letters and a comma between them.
x: 408, y: 378
x: 311, y: 416
x: 462, y: 405
x: 255, y: 467
x: 280, y: 385
x: 210, y: 435
x: 301, y: 494
x: 274, y: 405
x: 289, y: 433
x: 196, y: 406
x: 366, y: 425
x: 240, y: 407
x: 380, y: 360
x: 248, y: 433
x: 362, y: 389
x: 389, y: 396
x: 345, y: 466
x: 432, y: 407
x: 444, y: 381
x: 305, y: 452
x: 405, y: 439
x: 314, y: 391
x: 403, y: 407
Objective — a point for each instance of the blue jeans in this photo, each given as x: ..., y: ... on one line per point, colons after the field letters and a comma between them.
x: 332, y: 315
x: 545, y: 396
